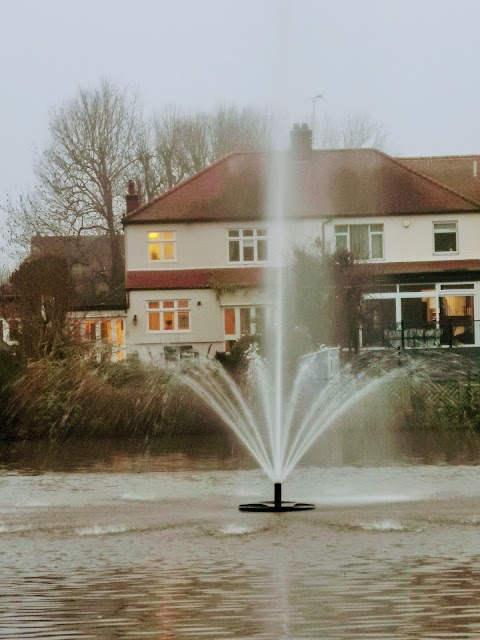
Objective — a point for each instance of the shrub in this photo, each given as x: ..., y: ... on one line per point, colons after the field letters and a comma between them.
x: 69, y: 398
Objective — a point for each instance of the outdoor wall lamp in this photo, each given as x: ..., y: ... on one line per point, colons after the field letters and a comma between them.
x: 135, y: 319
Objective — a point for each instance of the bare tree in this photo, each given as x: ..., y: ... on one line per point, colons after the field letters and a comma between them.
x: 83, y: 171
x: 99, y: 140
x: 181, y: 143
x: 234, y: 129
x: 354, y: 131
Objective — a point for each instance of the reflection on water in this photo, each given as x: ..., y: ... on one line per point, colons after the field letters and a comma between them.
x: 115, y: 540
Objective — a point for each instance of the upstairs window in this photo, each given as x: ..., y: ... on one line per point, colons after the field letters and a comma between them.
x: 247, y: 245
x: 445, y: 237
x: 161, y: 246
x: 363, y: 241
x: 169, y: 315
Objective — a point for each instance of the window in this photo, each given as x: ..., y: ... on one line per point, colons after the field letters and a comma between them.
x: 106, y: 331
x: 247, y: 245
x: 364, y: 241
x: 161, y: 246
x: 119, y: 340
x: 241, y: 321
x: 91, y: 330
x: 445, y: 237
x: 169, y: 315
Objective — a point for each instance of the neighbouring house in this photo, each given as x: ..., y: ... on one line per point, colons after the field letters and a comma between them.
x: 198, y: 255
x: 9, y: 323
x: 98, y: 312
x: 458, y: 172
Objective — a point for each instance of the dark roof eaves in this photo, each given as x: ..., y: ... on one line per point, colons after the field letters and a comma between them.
x: 261, y: 218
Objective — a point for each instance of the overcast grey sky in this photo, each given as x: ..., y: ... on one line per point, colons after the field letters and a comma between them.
x: 412, y: 64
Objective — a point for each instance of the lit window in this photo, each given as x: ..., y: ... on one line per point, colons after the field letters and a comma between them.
x: 106, y: 331
x: 363, y: 241
x: 445, y: 237
x: 161, y: 246
x: 241, y: 321
x: 169, y: 315
x: 91, y: 330
x: 247, y: 245
x: 119, y: 333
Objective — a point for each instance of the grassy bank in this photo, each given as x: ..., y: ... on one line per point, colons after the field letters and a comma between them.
x: 74, y: 398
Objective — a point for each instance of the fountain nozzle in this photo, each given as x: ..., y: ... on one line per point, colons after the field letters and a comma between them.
x: 277, y: 499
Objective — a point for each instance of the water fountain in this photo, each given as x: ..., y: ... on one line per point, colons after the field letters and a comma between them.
x: 286, y: 405
x: 281, y: 414
x: 316, y: 398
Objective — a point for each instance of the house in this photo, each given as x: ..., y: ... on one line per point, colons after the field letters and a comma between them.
x: 97, y: 312
x: 198, y: 256
x: 458, y: 172
x: 9, y: 323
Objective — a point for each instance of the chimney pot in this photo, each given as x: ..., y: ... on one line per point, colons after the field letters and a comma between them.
x: 301, y: 139
x: 132, y: 198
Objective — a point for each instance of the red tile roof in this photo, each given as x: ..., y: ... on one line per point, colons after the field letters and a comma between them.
x: 461, y: 173
x: 355, y: 182
x: 196, y: 278
x: 256, y: 276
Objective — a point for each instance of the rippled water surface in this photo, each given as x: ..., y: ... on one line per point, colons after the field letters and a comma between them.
x: 105, y: 541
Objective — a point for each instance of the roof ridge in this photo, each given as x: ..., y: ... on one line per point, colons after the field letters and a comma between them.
x: 433, y: 181
x: 182, y: 183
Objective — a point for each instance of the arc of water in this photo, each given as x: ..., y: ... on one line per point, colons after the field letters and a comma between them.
x: 292, y: 406
x: 314, y: 411
x: 242, y: 423
x: 312, y: 432
x: 262, y: 382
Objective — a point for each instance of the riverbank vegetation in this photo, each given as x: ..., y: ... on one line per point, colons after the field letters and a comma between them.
x: 73, y: 397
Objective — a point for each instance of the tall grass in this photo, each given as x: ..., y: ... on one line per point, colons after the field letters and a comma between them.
x: 70, y: 398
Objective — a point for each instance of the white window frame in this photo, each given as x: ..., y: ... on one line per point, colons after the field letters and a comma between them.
x: 175, y: 310
x: 439, y: 231
x: 161, y: 242
x: 267, y: 309
x: 346, y: 234
x: 440, y: 290
x: 258, y: 233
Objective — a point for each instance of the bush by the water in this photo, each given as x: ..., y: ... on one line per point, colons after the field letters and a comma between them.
x: 72, y: 397
x: 11, y: 368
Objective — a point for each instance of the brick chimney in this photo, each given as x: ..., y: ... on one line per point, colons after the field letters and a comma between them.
x: 301, y: 139
x: 133, y: 201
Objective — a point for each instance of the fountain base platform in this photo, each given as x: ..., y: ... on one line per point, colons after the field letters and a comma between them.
x: 269, y: 505
x: 277, y: 505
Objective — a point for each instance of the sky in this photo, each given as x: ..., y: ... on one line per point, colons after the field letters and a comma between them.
x: 410, y: 64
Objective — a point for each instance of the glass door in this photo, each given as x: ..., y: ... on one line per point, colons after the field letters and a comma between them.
x: 456, y: 320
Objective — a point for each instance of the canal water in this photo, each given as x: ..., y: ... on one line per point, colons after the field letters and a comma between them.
x: 116, y: 540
